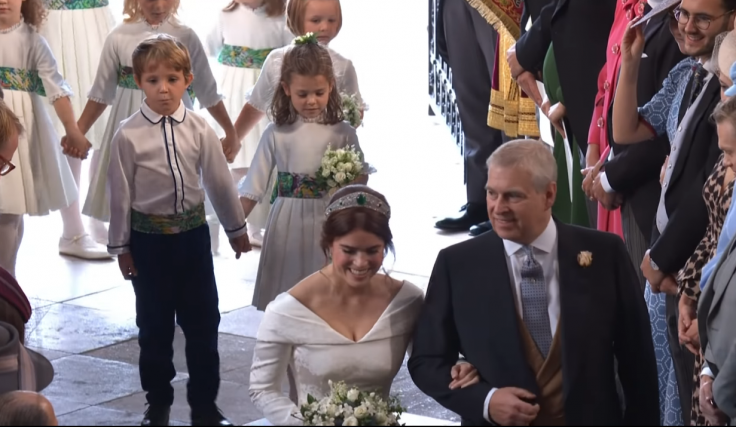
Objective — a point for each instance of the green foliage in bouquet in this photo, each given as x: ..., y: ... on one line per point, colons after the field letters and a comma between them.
x: 351, y: 109
x: 351, y: 407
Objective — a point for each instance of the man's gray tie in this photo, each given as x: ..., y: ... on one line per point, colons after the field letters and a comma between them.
x: 534, y: 302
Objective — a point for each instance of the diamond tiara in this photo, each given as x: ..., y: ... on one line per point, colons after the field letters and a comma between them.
x: 359, y: 200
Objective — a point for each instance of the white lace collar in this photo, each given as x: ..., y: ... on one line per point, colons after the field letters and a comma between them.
x: 13, y: 27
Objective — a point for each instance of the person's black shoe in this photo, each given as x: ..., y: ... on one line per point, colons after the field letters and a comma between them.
x: 156, y: 416
x: 472, y: 214
x: 212, y: 417
x: 481, y: 228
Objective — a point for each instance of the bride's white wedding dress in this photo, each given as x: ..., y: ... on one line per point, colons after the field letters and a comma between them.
x: 292, y: 335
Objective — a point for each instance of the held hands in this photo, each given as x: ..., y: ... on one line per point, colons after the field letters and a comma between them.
x: 127, y: 267
x: 510, y: 407
x: 715, y: 416
x: 75, y: 145
x: 463, y: 375
x: 240, y: 245
x: 230, y: 146
x: 632, y: 43
x: 687, y: 324
x: 516, y: 68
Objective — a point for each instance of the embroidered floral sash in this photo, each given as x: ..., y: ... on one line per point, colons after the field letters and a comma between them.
x: 298, y: 186
x: 21, y: 80
x: 127, y: 81
x: 168, y: 224
x: 243, y: 57
x: 76, y: 4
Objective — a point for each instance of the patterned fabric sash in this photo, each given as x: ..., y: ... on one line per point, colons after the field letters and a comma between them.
x: 511, y: 110
x: 76, y: 4
x: 168, y: 224
x: 127, y: 81
x: 243, y: 57
x: 21, y: 80
x: 298, y: 186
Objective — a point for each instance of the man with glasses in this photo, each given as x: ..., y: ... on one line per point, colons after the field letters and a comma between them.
x: 681, y: 110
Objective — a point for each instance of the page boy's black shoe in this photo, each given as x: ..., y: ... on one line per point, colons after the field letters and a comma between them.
x: 210, y: 417
x: 156, y: 416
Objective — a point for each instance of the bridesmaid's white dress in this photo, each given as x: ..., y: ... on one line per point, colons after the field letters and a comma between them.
x: 292, y: 335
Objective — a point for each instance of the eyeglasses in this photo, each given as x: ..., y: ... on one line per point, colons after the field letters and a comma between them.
x: 6, y: 166
x: 702, y: 22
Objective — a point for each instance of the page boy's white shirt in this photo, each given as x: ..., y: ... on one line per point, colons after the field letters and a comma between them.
x: 156, y: 166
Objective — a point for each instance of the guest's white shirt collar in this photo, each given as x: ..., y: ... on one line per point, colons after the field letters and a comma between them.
x: 179, y: 115
x: 545, y: 242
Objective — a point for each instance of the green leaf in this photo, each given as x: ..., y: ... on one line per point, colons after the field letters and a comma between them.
x: 310, y: 399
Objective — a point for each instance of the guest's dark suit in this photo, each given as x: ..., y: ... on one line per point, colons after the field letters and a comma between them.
x: 532, y: 10
x: 470, y: 309
x: 634, y: 171
x: 579, y: 30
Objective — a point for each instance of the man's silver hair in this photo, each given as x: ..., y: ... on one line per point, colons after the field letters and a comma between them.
x: 529, y: 155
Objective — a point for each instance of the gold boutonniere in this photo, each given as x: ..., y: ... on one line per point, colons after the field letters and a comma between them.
x: 585, y: 258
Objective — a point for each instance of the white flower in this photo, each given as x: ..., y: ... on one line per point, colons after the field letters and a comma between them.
x: 340, y: 177
x: 347, y: 410
x: 350, y: 421
x: 332, y: 184
x: 353, y: 395
x: 360, y: 412
x: 381, y: 419
x: 326, y: 172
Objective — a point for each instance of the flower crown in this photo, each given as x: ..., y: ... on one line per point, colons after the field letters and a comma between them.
x: 359, y: 200
x: 309, y: 38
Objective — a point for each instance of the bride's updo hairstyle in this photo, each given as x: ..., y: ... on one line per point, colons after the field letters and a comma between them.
x: 362, y: 209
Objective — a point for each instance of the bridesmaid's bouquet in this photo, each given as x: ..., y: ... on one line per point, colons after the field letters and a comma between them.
x: 339, y: 168
x: 351, y: 407
x: 351, y: 109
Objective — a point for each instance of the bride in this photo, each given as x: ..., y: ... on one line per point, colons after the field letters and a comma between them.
x: 346, y: 322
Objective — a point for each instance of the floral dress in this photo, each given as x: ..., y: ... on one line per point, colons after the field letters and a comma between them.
x: 717, y: 194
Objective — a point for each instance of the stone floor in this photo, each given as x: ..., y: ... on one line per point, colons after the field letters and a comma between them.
x: 84, y: 312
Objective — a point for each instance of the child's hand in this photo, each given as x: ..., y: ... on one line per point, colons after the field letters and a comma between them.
x: 240, y: 245
x: 127, y: 267
x: 231, y: 147
x: 76, y: 145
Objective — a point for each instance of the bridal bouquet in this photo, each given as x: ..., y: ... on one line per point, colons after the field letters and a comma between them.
x: 351, y: 109
x: 339, y: 168
x: 351, y: 407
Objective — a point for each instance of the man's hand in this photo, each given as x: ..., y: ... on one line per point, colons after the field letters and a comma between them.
x: 463, y: 375
x: 528, y: 83
x: 653, y: 276
x: 508, y: 407
x: 127, y: 267
x: 715, y: 416
x: 240, y: 245
x: 668, y: 285
x: 516, y: 68
x: 687, y: 324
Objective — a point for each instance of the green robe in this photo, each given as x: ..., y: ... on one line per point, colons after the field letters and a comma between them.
x: 570, y: 212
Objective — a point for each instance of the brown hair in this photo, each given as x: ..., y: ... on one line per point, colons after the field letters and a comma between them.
x: 307, y: 59
x: 11, y: 315
x: 345, y: 221
x: 274, y: 8
x: 34, y: 13
x: 161, y: 48
x: 133, y: 13
x: 296, y: 14
x: 8, y: 123
x: 725, y: 111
